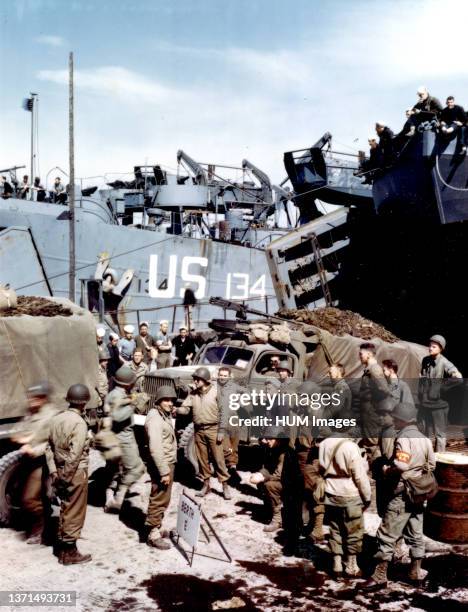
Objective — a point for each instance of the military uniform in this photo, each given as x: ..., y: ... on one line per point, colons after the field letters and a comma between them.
x: 207, y: 419
x: 347, y: 488
x: 67, y: 456
x: 118, y: 405
x: 37, y: 426
x: 272, y: 472
x: 433, y: 409
x: 412, y: 451
x: 163, y: 453
x: 102, y: 386
x: 231, y: 434
x: 373, y: 393
x: 140, y: 370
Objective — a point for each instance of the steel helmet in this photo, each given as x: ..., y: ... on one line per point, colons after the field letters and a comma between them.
x: 284, y: 365
x: 405, y: 412
x: 104, y: 354
x: 440, y: 340
x: 125, y: 376
x: 41, y: 389
x: 78, y: 394
x: 202, y: 373
x: 165, y: 392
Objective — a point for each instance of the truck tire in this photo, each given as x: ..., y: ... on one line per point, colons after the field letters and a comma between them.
x: 12, y: 477
x: 187, y: 444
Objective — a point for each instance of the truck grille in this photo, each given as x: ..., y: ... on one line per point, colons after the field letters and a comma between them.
x: 153, y: 383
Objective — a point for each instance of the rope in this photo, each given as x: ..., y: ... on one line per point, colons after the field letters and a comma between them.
x: 442, y: 180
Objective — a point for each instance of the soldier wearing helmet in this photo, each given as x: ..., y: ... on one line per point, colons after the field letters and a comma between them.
x: 33, y: 438
x: 434, y: 409
x: 162, y: 445
x: 413, y: 461
x: 67, y: 460
x: 102, y: 386
x: 119, y: 406
x: 203, y: 401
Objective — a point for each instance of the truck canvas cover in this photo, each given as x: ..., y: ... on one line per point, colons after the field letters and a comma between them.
x: 59, y: 349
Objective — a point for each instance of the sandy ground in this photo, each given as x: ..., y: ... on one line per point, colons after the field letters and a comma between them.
x: 128, y: 575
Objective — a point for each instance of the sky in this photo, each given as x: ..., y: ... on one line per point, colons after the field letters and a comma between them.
x: 221, y: 79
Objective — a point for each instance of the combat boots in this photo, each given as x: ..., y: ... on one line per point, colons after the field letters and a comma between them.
x: 378, y: 580
x: 205, y: 489
x: 275, y: 523
x: 416, y: 573
x: 317, y: 532
x: 36, y: 534
x: 115, y: 503
x: 351, y: 567
x: 70, y: 555
x: 226, y: 491
x: 337, y: 566
x: 156, y: 540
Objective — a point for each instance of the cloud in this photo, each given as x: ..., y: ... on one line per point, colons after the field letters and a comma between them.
x: 51, y: 41
x: 113, y: 80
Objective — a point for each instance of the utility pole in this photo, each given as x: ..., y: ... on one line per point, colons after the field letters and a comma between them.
x: 71, y: 194
x: 33, y: 101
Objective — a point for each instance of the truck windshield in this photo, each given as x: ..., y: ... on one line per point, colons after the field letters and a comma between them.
x: 228, y: 355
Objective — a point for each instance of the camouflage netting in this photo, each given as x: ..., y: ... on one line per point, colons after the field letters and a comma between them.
x: 36, y: 307
x: 340, y: 323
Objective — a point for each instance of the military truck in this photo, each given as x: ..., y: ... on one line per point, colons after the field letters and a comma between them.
x: 48, y: 339
x: 247, y: 345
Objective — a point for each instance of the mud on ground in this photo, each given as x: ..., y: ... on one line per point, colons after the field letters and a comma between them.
x: 128, y: 575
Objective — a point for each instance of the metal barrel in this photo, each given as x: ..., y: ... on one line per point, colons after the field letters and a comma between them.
x: 446, y: 515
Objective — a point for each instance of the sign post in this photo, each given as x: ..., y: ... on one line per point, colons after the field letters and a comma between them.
x: 189, y: 523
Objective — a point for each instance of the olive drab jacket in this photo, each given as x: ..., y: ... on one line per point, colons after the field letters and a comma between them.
x: 204, y: 405
x: 433, y: 372
x: 37, y: 427
x: 118, y: 405
x: 161, y: 440
x: 68, y: 448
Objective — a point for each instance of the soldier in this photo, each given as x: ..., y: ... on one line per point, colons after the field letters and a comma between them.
x: 343, y: 409
x: 230, y: 435
x: 272, y: 368
x: 145, y: 341
x: 433, y: 409
x: 127, y: 345
x: 163, y: 453
x: 164, y: 346
x: 102, y: 386
x: 67, y: 460
x: 208, y: 436
x: 399, y: 389
x: 139, y: 368
x: 305, y: 444
x: 413, y: 457
x: 118, y: 405
x: 347, y: 492
x: 374, y: 391
x: 270, y: 477
x: 33, y: 437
